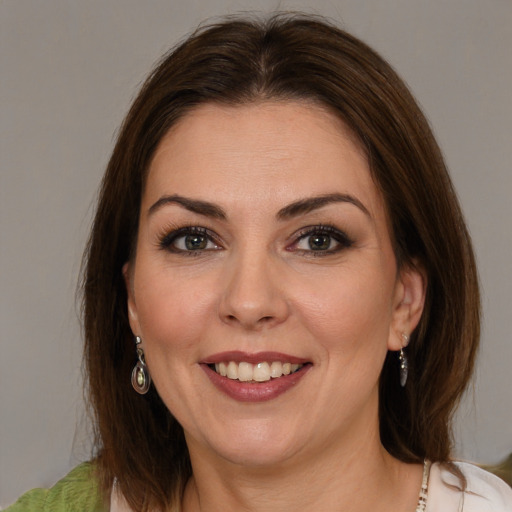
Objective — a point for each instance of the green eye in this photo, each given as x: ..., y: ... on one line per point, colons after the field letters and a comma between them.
x: 189, y: 240
x: 195, y: 242
x: 319, y: 242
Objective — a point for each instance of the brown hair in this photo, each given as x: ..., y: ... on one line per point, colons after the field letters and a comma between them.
x: 283, y: 58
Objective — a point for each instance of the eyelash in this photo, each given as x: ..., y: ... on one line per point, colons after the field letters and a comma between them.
x: 342, y: 239
x: 168, y: 240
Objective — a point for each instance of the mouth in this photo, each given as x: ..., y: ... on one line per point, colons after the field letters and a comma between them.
x: 259, y: 372
x: 255, y: 377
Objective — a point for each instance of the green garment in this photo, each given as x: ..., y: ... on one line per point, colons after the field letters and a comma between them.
x: 78, y: 491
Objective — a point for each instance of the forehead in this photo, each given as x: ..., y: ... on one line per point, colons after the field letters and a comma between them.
x: 274, y: 150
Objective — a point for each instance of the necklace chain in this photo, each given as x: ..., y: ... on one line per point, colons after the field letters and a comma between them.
x: 422, y: 500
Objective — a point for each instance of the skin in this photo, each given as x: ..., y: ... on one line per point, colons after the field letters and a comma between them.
x: 258, y: 286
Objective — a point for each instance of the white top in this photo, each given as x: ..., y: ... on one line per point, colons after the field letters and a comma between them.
x: 485, y: 492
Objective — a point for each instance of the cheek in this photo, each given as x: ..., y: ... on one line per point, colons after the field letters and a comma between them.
x: 173, y: 316
x: 349, y: 309
x: 172, y: 312
x: 350, y: 325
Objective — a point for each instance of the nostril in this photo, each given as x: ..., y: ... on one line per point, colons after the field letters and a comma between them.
x: 234, y: 319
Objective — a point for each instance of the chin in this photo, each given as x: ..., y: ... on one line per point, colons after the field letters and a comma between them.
x: 255, y: 445
x: 257, y: 455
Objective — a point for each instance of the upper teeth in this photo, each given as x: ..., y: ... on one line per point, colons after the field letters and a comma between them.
x: 259, y: 372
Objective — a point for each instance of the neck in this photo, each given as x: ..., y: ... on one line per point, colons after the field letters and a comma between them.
x: 348, y: 476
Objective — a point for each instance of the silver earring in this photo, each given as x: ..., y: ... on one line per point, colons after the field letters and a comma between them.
x: 141, y: 380
x: 404, y: 363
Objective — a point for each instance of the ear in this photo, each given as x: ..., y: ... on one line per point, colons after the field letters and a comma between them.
x: 132, y: 307
x: 409, y: 300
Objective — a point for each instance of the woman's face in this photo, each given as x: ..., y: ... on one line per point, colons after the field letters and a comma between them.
x: 265, y: 287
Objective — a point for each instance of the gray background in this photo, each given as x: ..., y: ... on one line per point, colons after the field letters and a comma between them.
x: 69, y: 71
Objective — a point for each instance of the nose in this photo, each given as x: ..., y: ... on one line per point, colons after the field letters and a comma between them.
x: 253, y: 294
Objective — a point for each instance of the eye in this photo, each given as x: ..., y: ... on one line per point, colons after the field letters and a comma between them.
x: 192, y: 239
x: 321, y: 240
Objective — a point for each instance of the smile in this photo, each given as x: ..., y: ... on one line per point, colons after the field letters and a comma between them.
x: 256, y: 377
x: 259, y: 372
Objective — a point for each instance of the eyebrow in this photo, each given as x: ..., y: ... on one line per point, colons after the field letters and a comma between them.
x: 294, y: 209
x: 194, y: 205
x: 314, y: 203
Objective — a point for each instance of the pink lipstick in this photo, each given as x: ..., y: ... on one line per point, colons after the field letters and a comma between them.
x: 254, y: 377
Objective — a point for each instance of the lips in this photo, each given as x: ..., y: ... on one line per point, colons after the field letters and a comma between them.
x: 254, y: 377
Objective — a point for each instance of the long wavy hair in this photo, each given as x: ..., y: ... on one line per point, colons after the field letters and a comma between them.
x: 285, y: 57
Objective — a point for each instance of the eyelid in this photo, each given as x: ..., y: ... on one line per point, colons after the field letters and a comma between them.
x: 337, y: 234
x: 170, y: 235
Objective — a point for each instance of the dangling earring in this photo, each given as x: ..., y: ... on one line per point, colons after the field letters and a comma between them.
x: 404, y: 363
x: 141, y: 380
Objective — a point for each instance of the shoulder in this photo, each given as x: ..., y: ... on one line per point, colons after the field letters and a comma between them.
x: 484, y: 491
x: 76, y: 491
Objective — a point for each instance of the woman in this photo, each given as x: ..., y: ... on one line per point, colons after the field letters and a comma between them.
x: 280, y: 297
